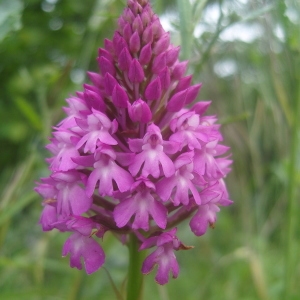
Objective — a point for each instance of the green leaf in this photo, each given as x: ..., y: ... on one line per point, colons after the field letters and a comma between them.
x: 197, y: 9
x: 10, y: 17
x: 15, y: 207
x: 116, y: 291
x: 258, y: 13
x: 14, y: 130
x: 29, y: 113
x: 186, y: 27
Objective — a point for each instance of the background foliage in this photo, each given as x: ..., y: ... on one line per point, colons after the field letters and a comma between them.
x: 247, y: 54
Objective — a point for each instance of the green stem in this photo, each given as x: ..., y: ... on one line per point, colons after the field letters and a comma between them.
x: 292, y: 216
x: 135, y: 277
x: 186, y: 27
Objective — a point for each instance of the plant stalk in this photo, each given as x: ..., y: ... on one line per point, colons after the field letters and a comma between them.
x: 135, y: 277
x: 292, y: 216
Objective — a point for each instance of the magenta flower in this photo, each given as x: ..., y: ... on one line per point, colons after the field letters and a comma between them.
x: 134, y: 155
x: 153, y: 154
x: 163, y: 256
x: 142, y: 204
x: 78, y: 246
x: 183, y: 181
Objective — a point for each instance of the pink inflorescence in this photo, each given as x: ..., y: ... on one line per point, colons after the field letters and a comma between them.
x: 134, y: 154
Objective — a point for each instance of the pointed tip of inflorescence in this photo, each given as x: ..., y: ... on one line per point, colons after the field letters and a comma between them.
x: 134, y: 154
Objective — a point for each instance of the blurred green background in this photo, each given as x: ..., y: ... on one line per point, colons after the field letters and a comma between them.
x: 247, y: 54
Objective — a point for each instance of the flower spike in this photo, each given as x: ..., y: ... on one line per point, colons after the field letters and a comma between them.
x: 135, y: 154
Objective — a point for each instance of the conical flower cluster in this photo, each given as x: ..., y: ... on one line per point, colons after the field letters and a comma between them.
x: 134, y: 154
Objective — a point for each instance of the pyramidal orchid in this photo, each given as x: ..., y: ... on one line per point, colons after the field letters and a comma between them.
x: 135, y: 155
